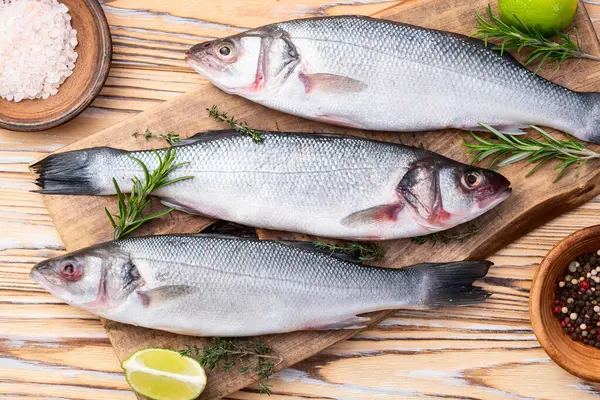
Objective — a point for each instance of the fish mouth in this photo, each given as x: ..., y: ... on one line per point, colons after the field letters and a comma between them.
x: 35, y: 275
x: 38, y: 277
x: 193, y: 62
x: 203, y: 65
x: 493, y: 201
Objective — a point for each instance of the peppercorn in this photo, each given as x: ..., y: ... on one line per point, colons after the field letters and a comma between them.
x: 576, y: 302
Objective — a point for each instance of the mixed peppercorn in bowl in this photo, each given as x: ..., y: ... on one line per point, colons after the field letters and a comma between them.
x: 564, y: 303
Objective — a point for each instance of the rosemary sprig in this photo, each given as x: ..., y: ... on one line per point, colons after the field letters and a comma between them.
x: 508, y: 149
x: 235, y: 124
x: 363, y: 251
x: 521, y: 36
x: 170, y: 137
x: 253, y: 357
x: 131, y: 208
x: 457, y: 235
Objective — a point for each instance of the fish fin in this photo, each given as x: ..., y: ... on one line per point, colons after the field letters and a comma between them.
x: 385, y: 213
x: 420, y: 189
x: 179, y: 206
x: 206, y: 137
x: 313, y: 247
x: 449, y: 284
x: 331, y: 83
x: 354, y: 322
x: 160, y: 295
x: 70, y: 172
x: 506, y: 129
x: 222, y: 227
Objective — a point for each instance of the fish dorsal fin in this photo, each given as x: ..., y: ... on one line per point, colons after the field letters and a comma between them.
x: 313, y: 247
x: 207, y: 136
x: 292, y: 243
x: 217, y: 236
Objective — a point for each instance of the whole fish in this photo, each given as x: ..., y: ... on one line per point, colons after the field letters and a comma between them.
x: 382, y: 75
x: 324, y: 185
x: 211, y: 285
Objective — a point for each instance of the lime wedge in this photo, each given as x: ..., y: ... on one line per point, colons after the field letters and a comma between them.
x: 162, y: 374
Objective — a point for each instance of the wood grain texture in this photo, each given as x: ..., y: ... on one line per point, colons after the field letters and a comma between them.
x: 80, y: 89
x: 531, y: 205
x: 405, y: 357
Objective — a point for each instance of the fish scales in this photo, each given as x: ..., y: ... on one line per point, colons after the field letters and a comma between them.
x: 325, y: 185
x: 211, y: 285
x: 383, y: 75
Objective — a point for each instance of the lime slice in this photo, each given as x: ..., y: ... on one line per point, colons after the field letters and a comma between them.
x: 545, y: 15
x: 162, y: 374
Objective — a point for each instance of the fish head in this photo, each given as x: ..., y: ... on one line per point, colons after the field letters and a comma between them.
x: 97, y: 279
x: 468, y: 192
x: 443, y: 193
x: 249, y: 64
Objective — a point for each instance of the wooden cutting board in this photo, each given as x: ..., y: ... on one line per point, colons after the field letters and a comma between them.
x: 81, y: 221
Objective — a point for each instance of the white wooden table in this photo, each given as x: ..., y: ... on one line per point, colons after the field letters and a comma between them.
x: 49, y: 350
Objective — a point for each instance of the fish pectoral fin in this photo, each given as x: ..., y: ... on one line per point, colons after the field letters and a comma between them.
x: 180, y: 207
x: 164, y: 294
x: 354, y: 322
x: 331, y: 83
x: 386, y: 213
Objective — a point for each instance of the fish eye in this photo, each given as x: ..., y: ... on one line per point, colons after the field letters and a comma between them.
x: 472, y: 179
x: 225, y: 50
x: 71, y: 272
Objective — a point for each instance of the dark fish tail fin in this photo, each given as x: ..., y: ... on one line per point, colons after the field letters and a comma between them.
x: 449, y: 284
x: 73, y: 172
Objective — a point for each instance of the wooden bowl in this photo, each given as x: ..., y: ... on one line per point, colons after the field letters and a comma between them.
x: 80, y: 89
x: 575, y: 357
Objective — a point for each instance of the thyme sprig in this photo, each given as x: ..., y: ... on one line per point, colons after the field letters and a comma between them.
x: 509, y: 149
x: 170, y: 137
x: 543, y: 50
x: 252, y: 357
x: 363, y: 251
x: 458, y: 235
x: 131, y: 208
x: 235, y: 124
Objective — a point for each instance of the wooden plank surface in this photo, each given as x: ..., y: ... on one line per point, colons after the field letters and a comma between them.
x: 533, y: 201
x: 50, y: 350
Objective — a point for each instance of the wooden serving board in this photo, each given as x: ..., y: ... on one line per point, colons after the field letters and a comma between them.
x: 81, y: 221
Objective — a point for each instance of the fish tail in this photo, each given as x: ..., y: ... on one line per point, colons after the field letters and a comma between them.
x: 74, y: 172
x: 449, y: 284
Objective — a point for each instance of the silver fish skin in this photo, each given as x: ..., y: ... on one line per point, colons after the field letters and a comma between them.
x: 382, y: 75
x: 324, y: 185
x: 211, y: 285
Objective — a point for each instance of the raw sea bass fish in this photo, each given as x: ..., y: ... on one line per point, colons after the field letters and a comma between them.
x: 211, y: 285
x: 381, y: 75
x: 325, y: 185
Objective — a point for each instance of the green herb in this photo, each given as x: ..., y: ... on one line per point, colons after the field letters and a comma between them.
x: 254, y: 357
x: 458, y: 235
x: 519, y: 37
x: 363, y: 251
x: 170, y: 136
x: 235, y: 124
x: 508, y: 149
x: 131, y: 208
